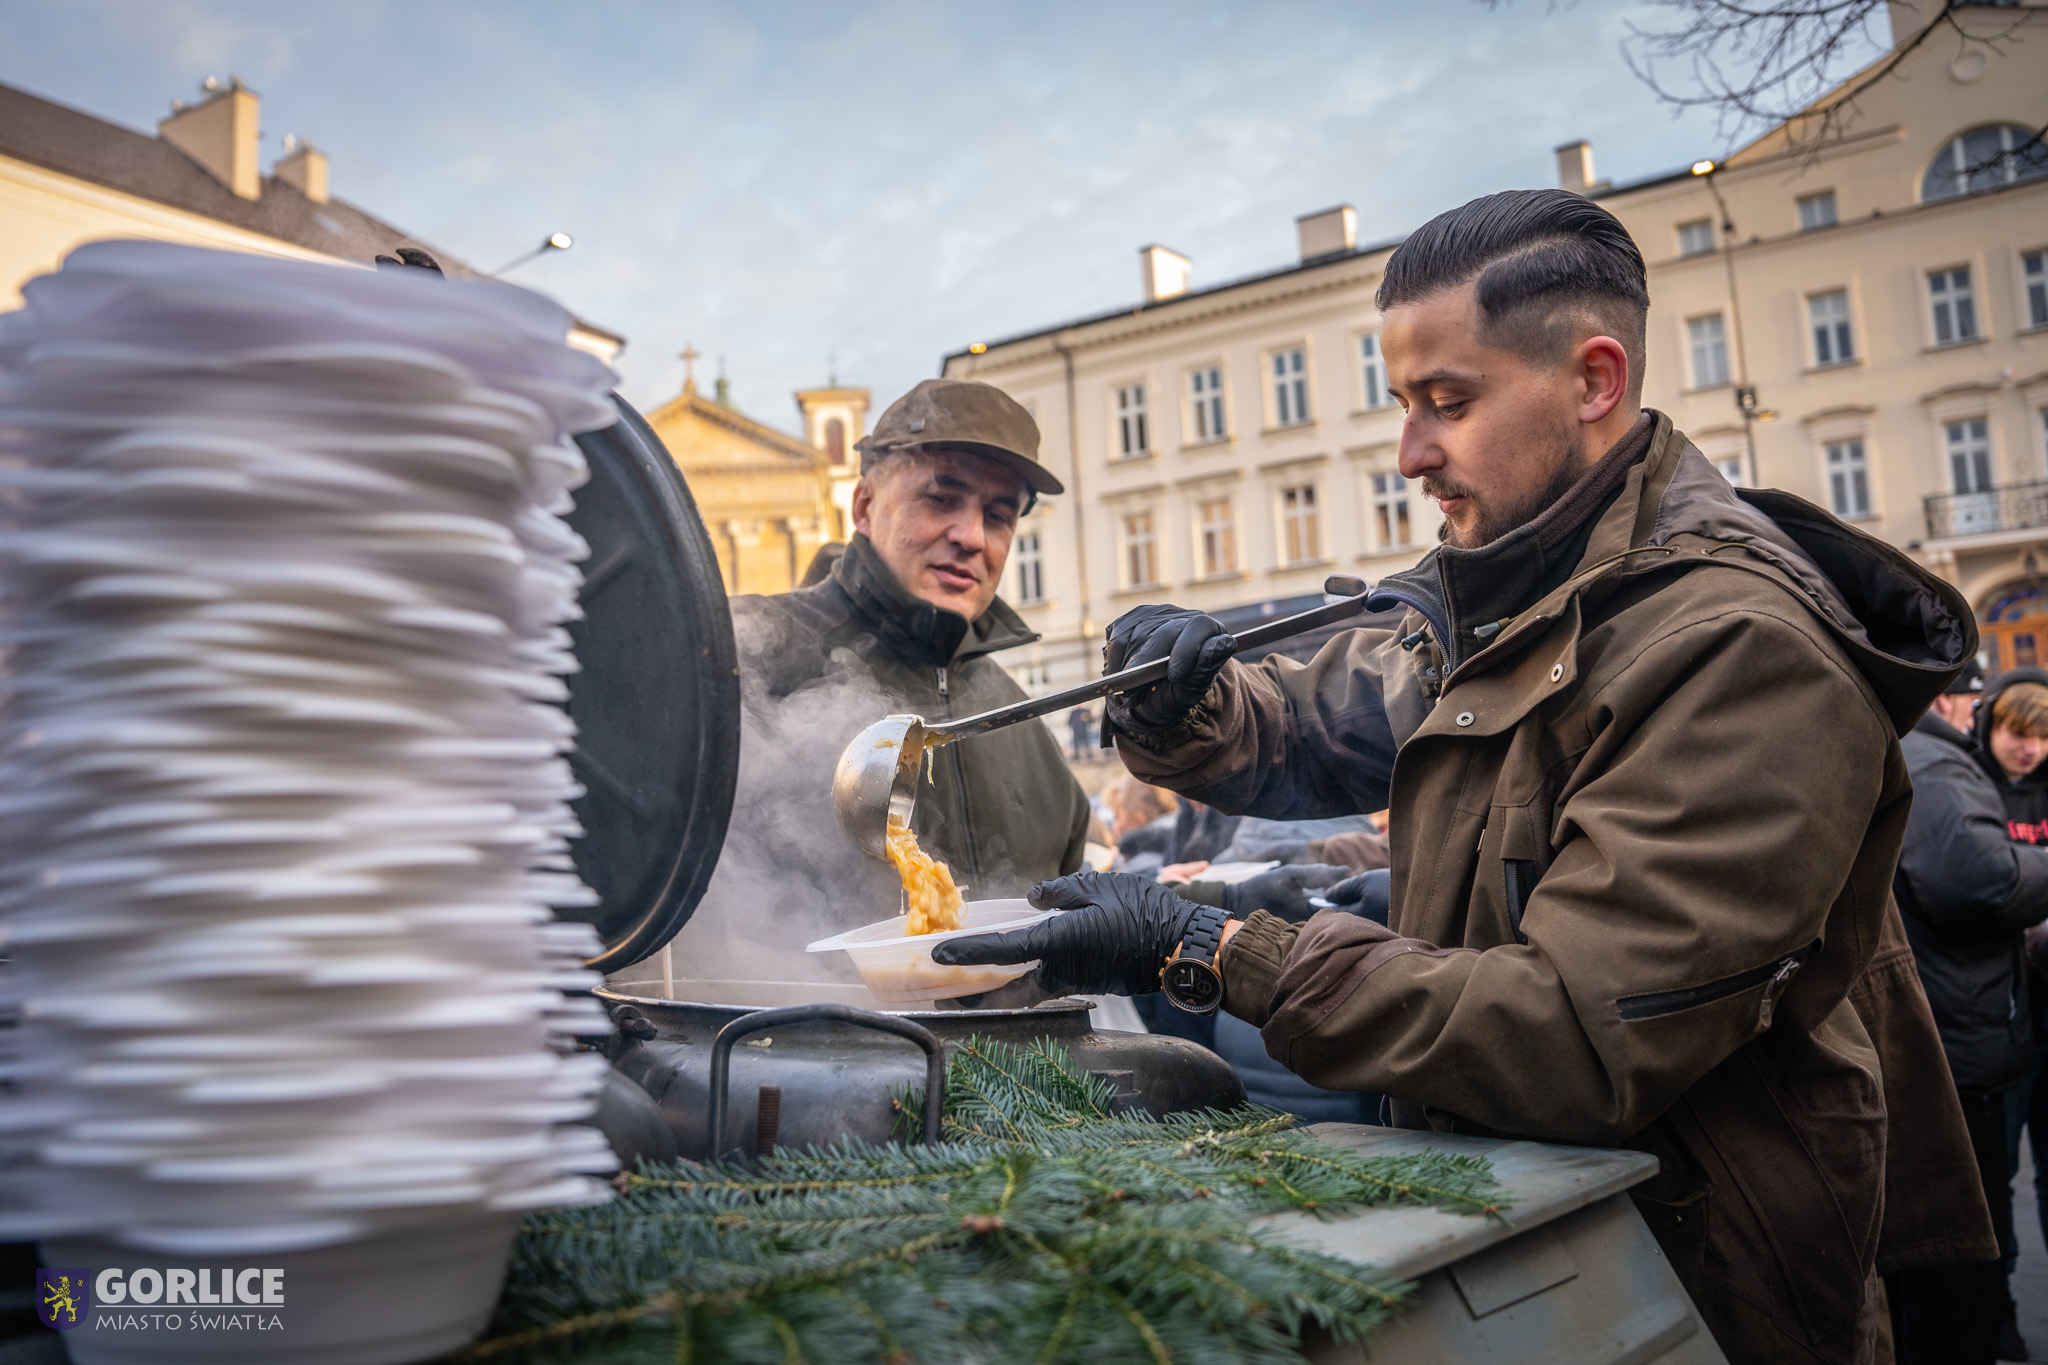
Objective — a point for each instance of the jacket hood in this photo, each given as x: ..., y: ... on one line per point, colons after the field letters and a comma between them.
x: 1908, y: 631
x: 1981, y: 729
x: 913, y: 628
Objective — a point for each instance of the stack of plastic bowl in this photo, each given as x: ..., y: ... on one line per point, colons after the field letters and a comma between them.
x: 283, y: 802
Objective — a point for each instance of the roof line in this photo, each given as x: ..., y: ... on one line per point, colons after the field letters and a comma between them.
x: 739, y: 423
x: 1315, y: 263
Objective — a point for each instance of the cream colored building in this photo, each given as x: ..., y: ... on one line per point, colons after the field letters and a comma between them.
x: 1227, y: 447
x: 1236, y: 445
x: 68, y: 178
x: 1890, y: 315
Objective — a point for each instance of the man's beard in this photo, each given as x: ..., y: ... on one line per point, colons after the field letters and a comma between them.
x: 1489, y: 521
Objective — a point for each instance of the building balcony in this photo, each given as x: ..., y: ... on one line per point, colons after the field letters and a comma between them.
x: 2007, y: 507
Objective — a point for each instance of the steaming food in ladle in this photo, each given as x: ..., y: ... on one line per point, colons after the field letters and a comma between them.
x: 934, y: 902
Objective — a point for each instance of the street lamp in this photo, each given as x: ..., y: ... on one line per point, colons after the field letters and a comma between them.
x: 1745, y: 392
x: 555, y: 241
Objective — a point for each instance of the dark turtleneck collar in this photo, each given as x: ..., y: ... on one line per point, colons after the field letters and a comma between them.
x: 1462, y: 592
x: 912, y: 628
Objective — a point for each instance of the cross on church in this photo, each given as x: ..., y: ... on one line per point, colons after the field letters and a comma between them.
x: 689, y: 356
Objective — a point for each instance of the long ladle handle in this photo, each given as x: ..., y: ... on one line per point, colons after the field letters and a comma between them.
x: 1354, y: 593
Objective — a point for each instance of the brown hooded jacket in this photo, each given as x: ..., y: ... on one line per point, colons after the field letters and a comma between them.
x: 1647, y: 798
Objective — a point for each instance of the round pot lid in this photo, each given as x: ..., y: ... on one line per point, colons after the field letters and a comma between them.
x: 657, y: 702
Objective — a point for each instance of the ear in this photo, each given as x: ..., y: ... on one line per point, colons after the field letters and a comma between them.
x: 863, y: 506
x: 1601, y: 363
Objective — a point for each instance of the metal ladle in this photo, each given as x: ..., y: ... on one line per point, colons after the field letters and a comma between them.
x: 877, y: 776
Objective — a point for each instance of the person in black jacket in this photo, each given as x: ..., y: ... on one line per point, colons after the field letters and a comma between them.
x: 2012, y: 737
x: 1967, y: 891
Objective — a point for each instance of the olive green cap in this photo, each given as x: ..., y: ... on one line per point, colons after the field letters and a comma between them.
x: 963, y: 414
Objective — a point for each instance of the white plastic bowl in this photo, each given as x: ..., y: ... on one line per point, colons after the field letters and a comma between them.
x: 900, y: 970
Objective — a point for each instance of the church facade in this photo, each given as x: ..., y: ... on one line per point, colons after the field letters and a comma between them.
x: 765, y: 497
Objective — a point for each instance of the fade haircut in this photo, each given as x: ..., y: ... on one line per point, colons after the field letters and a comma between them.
x: 1553, y: 269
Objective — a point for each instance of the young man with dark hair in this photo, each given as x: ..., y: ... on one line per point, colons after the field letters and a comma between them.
x: 1647, y: 808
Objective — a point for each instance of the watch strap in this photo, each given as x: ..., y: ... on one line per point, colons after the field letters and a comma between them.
x: 1203, y: 935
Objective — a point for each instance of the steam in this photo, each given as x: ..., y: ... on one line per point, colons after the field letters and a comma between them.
x: 787, y: 875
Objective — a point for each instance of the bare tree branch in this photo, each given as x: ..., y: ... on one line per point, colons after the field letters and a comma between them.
x: 1767, y: 63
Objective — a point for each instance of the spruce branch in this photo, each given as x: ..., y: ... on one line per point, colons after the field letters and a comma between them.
x: 1048, y: 1229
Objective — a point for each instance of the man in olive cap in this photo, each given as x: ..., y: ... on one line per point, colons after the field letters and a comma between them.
x: 907, y: 620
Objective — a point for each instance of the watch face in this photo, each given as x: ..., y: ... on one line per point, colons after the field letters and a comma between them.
x: 1193, y: 986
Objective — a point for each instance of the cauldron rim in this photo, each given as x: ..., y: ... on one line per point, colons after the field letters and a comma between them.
x: 1062, y: 1008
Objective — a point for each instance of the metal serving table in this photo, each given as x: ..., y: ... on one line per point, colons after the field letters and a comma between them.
x: 1571, y: 1274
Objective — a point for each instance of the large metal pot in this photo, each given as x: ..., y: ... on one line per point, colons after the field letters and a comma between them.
x: 811, y: 1083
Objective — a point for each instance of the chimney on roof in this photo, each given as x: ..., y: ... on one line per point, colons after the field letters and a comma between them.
x: 1329, y: 233
x: 1164, y: 272
x: 1575, y: 167
x: 220, y: 134
x: 304, y: 168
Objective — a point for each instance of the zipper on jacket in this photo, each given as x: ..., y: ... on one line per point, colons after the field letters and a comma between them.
x: 1773, y: 976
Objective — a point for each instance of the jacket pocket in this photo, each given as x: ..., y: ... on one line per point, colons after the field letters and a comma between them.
x: 1774, y: 977
x: 1518, y: 877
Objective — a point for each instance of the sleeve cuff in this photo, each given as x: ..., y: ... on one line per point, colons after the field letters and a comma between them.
x: 1201, y: 893
x: 1251, y: 965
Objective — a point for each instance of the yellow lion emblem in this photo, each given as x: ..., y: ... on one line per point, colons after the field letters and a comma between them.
x: 60, y: 1296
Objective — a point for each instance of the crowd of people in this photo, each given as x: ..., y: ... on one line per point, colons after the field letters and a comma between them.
x: 1972, y: 887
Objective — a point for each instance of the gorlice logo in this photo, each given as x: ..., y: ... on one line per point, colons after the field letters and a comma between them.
x: 62, y: 1297
x: 179, y: 1285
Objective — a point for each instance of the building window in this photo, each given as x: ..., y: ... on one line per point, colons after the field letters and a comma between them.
x: 1848, y: 480
x: 1985, y: 159
x: 835, y: 440
x: 1955, y: 305
x: 1372, y: 372
x: 1817, y: 211
x: 1132, y: 440
x: 1290, y: 386
x: 1030, y: 569
x: 1390, y: 510
x: 1709, y: 351
x: 1730, y: 467
x: 1696, y: 238
x: 1206, y: 384
x: 1218, y: 522
x: 2034, y: 272
x: 1300, y: 531
x: 1969, y: 455
x: 1141, y: 551
x: 1829, y: 313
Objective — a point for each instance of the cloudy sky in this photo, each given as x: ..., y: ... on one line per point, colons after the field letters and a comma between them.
x: 795, y: 186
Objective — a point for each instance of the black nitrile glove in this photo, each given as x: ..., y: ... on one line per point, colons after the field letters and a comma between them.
x: 1284, y: 891
x: 1369, y: 895
x: 1195, y: 646
x: 1114, y: 939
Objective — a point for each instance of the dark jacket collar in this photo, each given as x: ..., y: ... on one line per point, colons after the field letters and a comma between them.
x: 1464, y: 592
x: 1934, y: 727
x: 914, y: 629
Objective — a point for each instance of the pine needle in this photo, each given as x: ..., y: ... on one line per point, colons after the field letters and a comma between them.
x: 1046, y: 1228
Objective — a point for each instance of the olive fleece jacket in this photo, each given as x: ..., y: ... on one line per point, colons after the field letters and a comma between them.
x: 1645, y: 814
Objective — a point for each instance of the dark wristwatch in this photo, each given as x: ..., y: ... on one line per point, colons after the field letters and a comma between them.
x: 1190, y: 980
